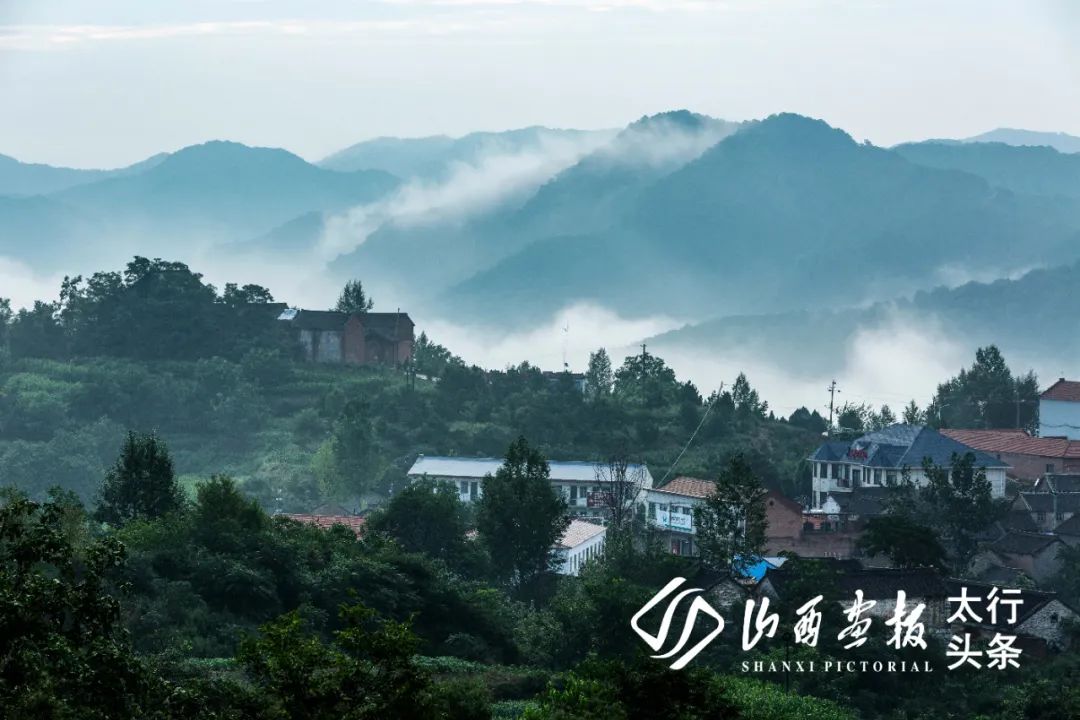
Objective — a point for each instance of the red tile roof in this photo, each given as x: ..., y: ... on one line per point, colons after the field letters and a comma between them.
x: 353, y: 522
x: 689, y: 487
x: 1067, y: 390
x: 1015, y: 441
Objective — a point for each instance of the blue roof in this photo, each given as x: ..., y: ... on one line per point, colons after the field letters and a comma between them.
x: 831, y: 451
x: 901, y: 445
x: 757, y: 570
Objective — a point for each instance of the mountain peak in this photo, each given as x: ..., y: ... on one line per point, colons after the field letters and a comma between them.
x: 799, y: 128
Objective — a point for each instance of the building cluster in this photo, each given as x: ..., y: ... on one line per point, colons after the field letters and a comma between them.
x: 851, y: 482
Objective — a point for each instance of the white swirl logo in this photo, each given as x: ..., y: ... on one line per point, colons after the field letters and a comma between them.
x: 699, y: 605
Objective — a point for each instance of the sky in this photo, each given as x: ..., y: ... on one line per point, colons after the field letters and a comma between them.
x: 108, y: 83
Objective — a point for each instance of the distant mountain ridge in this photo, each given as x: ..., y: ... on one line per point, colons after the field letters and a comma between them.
x: 433, y: 157
x: 1033, y: 315
x: 1033, y: 170
x: 1062, y: 142
x: 24, y: 179
x: 767, y: 217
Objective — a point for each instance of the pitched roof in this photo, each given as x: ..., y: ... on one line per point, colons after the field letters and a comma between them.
x: 1060, y: 482
x: 1045, y: 502
x: 1021, y: 543
x: 831, y: 451
x: 1020, y: 520
x: 578, y: 532
x: 876, y: 583
x: 688, y: 487
x: 1069, y: 527
x: 1065, y: 390
x: 1014, y: 441
x: 779, y: 497
x: 391, y: 325
x: 319, y: 320
x: 1003, y: 576
x: 902, y: 445
x: 354, y: 523
x: 477, y: 468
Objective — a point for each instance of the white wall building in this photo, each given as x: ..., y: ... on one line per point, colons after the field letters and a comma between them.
x: 582, y: 484
x: 880, y: 459
x: 1059, y: 410
x: 581, y: 542
x: 670, y: 510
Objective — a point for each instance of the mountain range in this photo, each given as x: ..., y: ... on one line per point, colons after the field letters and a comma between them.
x: 677, y: 214
x: 1033, y: 317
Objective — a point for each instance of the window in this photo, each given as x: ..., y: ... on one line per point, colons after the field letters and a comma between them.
x: 652, y: 510
x: 877, y: 476
x: 890, y: 477
x: 856, y: 476
x: 836, y: 471
x: 1049, y: 467
x: 464, y: 487
x: 573, y: 494
x: 474, y: 490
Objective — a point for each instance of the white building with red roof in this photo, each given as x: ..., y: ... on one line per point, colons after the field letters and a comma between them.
x: 670, y: 510
x: 1059, y: 410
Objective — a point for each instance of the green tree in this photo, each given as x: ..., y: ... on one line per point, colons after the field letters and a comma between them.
x: 807, y: 420
x: 368, y: 672
x: 245, y: 295
x: 65, y: 651
x: 731, y: 521
x: 519, y: 515
x: 745, y: 397
x: 853, y: 418
x: 883, y: 418
x: 430, y: 358
x: 987, y: 395
x: 907, y: 543
x: 353, y: 299
x: 354, y: 449
x: 141, y: 484
x: 6, y: 316
x: 646, y: 380
x: 599, y: 377
x: 913, y: 415
x: 959, y: 499
x: 426, y: 517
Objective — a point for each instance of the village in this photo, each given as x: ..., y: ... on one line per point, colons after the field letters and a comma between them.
x: 1037, y: 474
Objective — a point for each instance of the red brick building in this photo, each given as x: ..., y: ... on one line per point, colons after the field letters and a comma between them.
x: 1030, y: 457
x: 327, y: 336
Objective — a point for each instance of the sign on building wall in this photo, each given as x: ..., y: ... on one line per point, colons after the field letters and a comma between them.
x: 675, y: 520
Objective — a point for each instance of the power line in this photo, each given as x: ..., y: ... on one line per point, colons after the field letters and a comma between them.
x: 716, y: 396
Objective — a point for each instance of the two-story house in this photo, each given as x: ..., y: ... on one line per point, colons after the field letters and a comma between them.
x: 883, y: 457
x: 670, y: 511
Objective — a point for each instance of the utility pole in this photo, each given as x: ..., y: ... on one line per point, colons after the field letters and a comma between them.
x: 832, y: 401
x: 643, y: 356
x: 1016, y: 387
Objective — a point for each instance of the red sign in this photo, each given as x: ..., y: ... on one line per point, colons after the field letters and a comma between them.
x: 857, y: 454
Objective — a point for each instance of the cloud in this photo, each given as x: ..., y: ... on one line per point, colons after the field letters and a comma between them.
x: 572, y: 333
x: 889, y: 362
x: 22, y: 286
x: 469, y: 189
x: 45, y: 37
